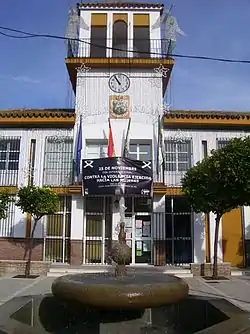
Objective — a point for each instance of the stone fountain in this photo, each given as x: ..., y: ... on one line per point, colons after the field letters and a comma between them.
x: 121, y: 289
x: 120, y: 302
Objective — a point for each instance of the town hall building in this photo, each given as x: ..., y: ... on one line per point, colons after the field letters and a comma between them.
x: 119, y: 68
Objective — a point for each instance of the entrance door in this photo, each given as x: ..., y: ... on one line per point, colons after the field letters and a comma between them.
x: 57, y: 233
x: 97, y: 229
x: 179, y: 246
x: 138, y: 228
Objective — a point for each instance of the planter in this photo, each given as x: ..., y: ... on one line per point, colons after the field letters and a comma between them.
x: 206, y: 269
x: 18, y: 267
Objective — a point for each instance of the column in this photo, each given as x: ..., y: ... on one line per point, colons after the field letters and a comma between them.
x: 158, y: 231
x: 77, y: 230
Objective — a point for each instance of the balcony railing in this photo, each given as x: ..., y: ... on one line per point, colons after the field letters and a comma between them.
x: 8, y: 178
x: 109, y: 48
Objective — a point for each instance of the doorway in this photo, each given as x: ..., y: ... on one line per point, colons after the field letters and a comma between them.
x: 57, y: 233
x: 178, y: 231
x: 138, y: 219
x: 97, y: 240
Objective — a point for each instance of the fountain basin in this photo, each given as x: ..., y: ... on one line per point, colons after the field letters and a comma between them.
x: 105, y: 291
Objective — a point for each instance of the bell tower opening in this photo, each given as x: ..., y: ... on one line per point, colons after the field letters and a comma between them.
x: 120, y: 37
x: 141, y: 36
x: 98, y: 35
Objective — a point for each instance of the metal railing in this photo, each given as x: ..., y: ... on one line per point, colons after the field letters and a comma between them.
x: 9, y: 160
x: 109, y: 48
x: 159, y: 247
x: 57, y: 233
x: 58, y: 162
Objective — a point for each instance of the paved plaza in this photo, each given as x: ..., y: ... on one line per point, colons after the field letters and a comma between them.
x: 236, y: 290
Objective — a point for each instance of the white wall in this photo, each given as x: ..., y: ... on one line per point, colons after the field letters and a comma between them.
x: 246, y: 219
x: 158, y: 221
x: 197, y: 136
x: 26, y: 136
x: 77, y: 216
x: 199, y: 238
x: 92, y: 102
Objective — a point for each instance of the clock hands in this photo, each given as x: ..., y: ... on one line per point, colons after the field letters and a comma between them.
x: 119, y: 83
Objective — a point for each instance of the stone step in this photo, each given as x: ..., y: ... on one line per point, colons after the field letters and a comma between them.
x: 236, y: 273
x: 60, y: 270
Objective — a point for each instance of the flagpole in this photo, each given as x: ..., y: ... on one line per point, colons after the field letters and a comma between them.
x: 78, y: 149
x: 111, y: 145
x: 126, y: 142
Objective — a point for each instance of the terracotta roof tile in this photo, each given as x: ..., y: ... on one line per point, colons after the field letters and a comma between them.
x: 213, y: 114
x: 44, y: 113
x: 118, y: 4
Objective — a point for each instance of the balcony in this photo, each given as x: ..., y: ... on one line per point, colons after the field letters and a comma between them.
x: 111, y: 53
x: 119, y: 48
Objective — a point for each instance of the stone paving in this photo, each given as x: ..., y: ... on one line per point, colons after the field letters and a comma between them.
x: 236, y: 290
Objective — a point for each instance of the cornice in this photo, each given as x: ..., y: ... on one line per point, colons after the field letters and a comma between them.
x: 206, y: 119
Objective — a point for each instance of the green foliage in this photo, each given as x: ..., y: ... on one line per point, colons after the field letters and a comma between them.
x: 5, y: 199
x: 37, y: 201
x: 220, y: 182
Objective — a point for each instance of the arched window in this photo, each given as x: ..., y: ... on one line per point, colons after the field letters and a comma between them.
x: 120, y: 38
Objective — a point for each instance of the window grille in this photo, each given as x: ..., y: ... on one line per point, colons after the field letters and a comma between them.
x: 9, y: 160
x: 178, y: 155
x: 58, y: 162
x: 7, y: 225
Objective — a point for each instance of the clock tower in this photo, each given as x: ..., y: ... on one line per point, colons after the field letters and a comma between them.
x: 119, y: 70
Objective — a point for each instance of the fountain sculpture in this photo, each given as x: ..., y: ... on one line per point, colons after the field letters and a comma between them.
x: 122, y: 289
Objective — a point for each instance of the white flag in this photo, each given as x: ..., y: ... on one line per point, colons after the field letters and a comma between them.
x: 161, y: 20
x: 83, y: 24
x: 172, y: 29
x: 73, y: 25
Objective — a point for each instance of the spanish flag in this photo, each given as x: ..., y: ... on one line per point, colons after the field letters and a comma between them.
x: 111, y: 148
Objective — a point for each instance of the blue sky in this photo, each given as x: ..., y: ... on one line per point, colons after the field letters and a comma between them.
x: 33, y: 74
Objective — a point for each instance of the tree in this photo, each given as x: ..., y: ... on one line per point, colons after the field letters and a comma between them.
x: 38, y: 202
x: 220, y: 183
x: 4, y: 204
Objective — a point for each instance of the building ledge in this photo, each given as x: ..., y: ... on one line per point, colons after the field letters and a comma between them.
x: 162, y: 189
x: 11, y: 190
x: 106, y: 63
x: 37, y: 118
x: 212, y: 119
x: 158, y: 189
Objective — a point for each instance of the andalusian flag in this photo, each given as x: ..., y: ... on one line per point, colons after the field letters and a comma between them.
x: 111, y: 148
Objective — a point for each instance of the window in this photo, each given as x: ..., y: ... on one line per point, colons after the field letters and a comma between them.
x: 140, y: 151
x: 178, y: 155
x: 9, y: 161
x: 98, y: 42
x: 96, y: 150
x: 221, y: 143
x: 58, y: 164
x: 204, y: 149
x: 141, y: 35
x: 98, y: 35
x: 7, y: 225
x: 120, y: 39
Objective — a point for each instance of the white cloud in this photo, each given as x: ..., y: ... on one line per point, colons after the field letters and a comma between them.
x: 20, y: 78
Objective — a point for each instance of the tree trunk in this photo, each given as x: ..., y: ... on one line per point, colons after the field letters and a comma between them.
x: 216, y: 238
x: 30, y: 248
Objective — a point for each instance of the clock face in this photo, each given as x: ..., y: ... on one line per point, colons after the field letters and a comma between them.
x: 119, y: 83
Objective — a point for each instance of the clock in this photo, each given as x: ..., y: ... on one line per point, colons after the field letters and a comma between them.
x: 119, y: 83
